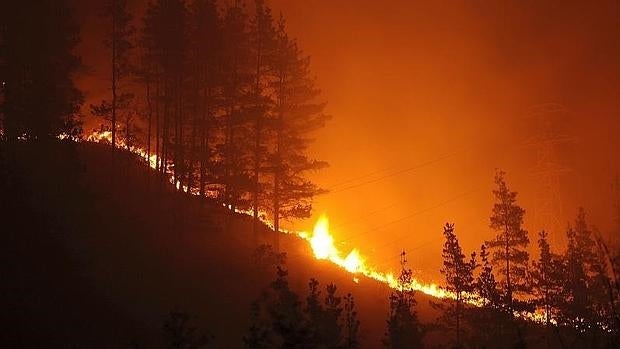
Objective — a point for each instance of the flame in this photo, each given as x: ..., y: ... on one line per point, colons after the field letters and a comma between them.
x: 322, y: 242
x: 353, y: 262
x: 323, y: 248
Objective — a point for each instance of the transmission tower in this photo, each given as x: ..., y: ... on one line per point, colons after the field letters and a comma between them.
x: 548, y: 139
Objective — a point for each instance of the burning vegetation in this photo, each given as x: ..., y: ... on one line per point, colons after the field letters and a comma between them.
x: 219, y: 104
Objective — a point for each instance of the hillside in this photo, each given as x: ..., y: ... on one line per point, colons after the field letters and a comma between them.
x: 96, y: 256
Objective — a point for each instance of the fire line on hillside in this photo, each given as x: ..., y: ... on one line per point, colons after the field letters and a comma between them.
x: 322, y: 244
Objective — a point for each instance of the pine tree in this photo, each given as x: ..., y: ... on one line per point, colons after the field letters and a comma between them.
x: 165, y: 39
x: 234, y: 152
x: 314, y: 311
x: 351, y: 324
x: 286, y: 314
x: 489, y: 321
x: 263, y: 45
x: 324, y: 317
x: 576, y: 287
x: 41, y: 100
x: 589, y: 290
x: 547, y: 280
x: 206, y: 47
x: 333, y: 310
x: 297, y: 115
x: 486, y: 286
x: 403, y: 327
x: 119, y: 41
x: 459, y: 280
x: 510, y: 244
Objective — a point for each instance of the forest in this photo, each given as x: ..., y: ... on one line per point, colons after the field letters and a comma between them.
x: 215, y: 102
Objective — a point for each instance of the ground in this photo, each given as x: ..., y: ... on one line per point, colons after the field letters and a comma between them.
x: 96, y: 253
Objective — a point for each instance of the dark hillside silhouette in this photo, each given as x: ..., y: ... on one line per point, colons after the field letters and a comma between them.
x: 76, y: 275
x: 176, y: 213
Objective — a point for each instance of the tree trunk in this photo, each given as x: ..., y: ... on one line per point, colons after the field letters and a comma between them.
x: 114, y: 77
x: 276, y: 185
x: 257, y: 135
x: 150, y: 117
x: 204, y: 141
x: 458, y: 320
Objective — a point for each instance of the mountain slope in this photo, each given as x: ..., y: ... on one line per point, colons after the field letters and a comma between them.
x: 97, y: 252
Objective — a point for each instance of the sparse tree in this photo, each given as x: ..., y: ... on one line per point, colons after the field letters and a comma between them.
x: 296, y: 116
x: 164, y: 38
x: 488, y: 320
x: 510, y: 244
x: 403, y: 327
x: 119, y: 41
x: 205, y: 61
x: 324, y: 317
x: 458, y: 272
x: 286, y: 314
x: 237, y: 79
x: 485, y: 284
x: 263, y: 45
x: 547, y: 277
x: 351, y: 324
x: 332, y: 332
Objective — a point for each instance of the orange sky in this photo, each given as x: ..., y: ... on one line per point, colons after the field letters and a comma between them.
x: 451, y: 85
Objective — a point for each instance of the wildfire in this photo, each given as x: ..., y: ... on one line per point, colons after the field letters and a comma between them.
x: 322, y: 244
x: 323, y: 247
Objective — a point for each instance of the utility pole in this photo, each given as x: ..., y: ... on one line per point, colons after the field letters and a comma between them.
x: 548, y: 139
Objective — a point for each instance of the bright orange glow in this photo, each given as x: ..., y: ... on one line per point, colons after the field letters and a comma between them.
x: 353, y: 262
x: 322, y: 244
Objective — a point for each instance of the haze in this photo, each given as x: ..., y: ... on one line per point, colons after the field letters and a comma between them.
x: 445, y: 92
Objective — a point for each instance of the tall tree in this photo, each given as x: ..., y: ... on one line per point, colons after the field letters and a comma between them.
x: 576, y: 287
x: 237, y: 70
x: 297, y: 115
x: 403, y: 327
x: 459, y: 280
x: 206, y: 46
x: 585, y: 289
x: 263, y: 44
x: 165, y: 40
x: 488, y: 319
x: 547, y: 279
x: 119, y: 41
x: 510, y: 244
x: 39, y: 64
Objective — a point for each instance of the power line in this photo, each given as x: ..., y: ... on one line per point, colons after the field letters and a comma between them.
x: 395, y: 173
x: 409, y: 216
